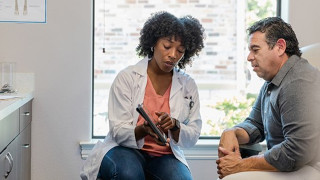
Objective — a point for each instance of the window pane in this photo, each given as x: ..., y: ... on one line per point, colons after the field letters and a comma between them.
x: 227, y: 86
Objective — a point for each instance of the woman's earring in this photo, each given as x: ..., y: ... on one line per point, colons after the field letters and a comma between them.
x: 181, y: 57
x: 151, y: 49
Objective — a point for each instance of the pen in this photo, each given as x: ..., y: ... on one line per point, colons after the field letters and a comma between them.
x: 191, y: 102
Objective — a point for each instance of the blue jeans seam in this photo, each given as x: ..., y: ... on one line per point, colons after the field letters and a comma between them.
x: 153, y: 176
x: 115, y: 172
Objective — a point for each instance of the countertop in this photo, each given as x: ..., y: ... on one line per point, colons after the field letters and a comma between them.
x: 8, y: 106
x: 24, y: 84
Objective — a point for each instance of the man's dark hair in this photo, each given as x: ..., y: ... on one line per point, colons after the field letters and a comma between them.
x: 163, y: 24
x: 274, y: 29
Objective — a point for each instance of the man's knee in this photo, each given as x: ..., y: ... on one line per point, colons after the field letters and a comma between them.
x: 307, y: 173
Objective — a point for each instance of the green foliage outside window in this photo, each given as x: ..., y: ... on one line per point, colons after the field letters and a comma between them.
x: 258, y: 9
x: 235, y: 109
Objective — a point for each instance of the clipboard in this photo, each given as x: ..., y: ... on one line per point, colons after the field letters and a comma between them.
x: 161, y: 136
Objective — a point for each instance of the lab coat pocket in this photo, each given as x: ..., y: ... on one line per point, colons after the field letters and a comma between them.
x: 185, y: 110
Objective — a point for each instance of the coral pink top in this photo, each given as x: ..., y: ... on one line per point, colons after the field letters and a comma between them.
x: 155, y: 103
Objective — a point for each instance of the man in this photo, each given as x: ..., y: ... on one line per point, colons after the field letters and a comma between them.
x: 286, y: 113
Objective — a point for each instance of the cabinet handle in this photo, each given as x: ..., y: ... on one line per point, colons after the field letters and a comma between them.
x: 26, y: 114
x: 26, y: 145
x: 10, y: 160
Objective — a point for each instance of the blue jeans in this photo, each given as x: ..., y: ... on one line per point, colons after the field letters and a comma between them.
x: 126, y: 163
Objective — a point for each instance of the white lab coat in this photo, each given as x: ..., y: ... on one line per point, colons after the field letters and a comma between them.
x: 127, y: 91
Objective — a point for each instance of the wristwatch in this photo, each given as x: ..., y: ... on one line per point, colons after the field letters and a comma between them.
x: 176, y: 125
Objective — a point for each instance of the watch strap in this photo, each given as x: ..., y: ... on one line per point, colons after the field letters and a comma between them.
x: 176, y: 125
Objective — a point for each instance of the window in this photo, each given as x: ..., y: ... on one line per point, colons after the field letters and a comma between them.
x: 227, y: 87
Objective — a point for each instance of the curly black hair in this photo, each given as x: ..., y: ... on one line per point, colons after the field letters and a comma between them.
x: 275, y: 28
x: 163, y: 24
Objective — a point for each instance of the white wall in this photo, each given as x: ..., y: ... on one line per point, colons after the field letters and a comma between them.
x: 304, y: 19
x: 59, y: 53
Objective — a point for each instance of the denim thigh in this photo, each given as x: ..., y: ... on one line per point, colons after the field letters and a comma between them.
x: 167, y: 167
x: 122, y: 163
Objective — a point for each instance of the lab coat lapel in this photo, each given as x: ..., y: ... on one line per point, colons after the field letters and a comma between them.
x: 140, y: 69
x: 176, y: 84
x: 140, y: 81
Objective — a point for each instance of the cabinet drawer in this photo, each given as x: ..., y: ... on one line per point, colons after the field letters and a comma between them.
x: 5, y: 158
x: 24, y: 165
x: 9, y: 129
x: 9, y: 161
x: 25, y: 115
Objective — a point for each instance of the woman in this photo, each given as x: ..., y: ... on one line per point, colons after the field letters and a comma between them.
x: 132, y: 150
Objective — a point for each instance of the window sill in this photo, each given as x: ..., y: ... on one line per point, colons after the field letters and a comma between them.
x: 205, y: 149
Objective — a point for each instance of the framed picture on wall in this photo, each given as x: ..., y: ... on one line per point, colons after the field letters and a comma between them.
x: 23, y: 11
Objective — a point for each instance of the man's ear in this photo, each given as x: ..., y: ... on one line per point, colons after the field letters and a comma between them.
x: 282, y: 46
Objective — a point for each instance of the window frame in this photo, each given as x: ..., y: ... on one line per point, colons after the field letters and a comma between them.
x: 278, y: 14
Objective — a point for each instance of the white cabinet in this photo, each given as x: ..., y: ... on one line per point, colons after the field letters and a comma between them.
x: 15, y: 144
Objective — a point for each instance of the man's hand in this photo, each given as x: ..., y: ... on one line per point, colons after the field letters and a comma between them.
x: 229, y: 163
x: 230, y: 160
x: 232, y: 163
x: 228, y: 141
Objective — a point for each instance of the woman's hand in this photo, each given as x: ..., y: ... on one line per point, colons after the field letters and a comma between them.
x: 144, y: 130
x: 165, y: 121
